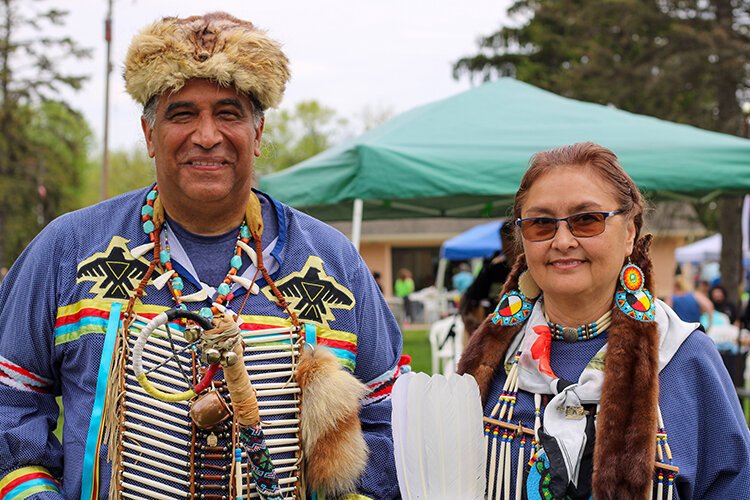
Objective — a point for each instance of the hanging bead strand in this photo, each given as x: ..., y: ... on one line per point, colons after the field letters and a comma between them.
x: 664, y: 453
x: 493, y: 464
x: 519, y: 467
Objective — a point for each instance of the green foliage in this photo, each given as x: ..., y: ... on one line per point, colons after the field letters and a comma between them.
x: 293, y: 136
x: 43, y: 143
x: 681, y: 61
x: 128, y: 170
x: 44, y: 179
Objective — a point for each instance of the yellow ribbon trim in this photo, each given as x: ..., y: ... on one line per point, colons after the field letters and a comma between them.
x: 22, y: 472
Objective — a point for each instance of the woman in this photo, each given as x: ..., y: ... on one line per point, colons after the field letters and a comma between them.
x: 402, y: 288
x: 688, y: 304
x: 481, y: 297
x: 578, y: 337
x: 718, y: 296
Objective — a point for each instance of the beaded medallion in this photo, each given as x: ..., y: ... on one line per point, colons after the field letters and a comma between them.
x: 513, y: 308
x: 631, y: 278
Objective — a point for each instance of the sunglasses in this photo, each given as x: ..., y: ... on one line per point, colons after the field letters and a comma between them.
x: 583, y: 225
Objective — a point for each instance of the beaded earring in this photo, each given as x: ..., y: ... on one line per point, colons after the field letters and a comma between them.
x: 631, y: 297
x: 515, y: 306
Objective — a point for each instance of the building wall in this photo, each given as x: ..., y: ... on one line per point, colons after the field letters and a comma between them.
x: 662, y: 255
x: 377, y: 256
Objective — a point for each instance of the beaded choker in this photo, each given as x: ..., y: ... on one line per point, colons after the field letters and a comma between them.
x: 582, y: 332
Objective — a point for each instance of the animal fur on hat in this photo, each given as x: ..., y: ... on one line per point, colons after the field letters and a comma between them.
x: 217, y: 47
x: 625, y: 446
x: 335, y: 449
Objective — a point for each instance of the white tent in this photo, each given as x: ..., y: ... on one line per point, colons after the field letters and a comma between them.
x: 709, y: 249
x: 705, y: 250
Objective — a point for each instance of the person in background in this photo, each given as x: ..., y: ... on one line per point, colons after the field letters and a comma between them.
x: 482, y: 296
x: 378, y: 280
x: 689, y: 305
x: 702, y: 287
x: 718, y: 296
x: 402, y: 288
x: 463, y: 278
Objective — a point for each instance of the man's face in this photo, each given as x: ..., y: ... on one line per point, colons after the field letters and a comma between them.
x: 204, y: 143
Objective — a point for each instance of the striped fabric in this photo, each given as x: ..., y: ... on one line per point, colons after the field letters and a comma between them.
x: 90, y: 316
x: 66, y: 315
x: 26, y: 481
x: 342, y: 344
x: 14, y: 376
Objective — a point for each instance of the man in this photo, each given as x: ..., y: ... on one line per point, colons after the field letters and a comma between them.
x: 200, y: 240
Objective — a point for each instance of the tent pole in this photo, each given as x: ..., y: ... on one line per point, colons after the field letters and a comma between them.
x: 440, y: 285
x: 357, y: 223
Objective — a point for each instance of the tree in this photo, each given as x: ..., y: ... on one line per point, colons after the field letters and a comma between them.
x: 680, y: 60
x: 37, y: 143
x: 128, y: 170
x: 46, y: 179
x: 374, y: 116
x: 293, y: 136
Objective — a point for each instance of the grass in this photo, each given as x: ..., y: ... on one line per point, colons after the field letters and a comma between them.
x: 417, y: 345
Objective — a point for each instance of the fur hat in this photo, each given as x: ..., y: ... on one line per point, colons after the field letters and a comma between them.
x: 217, y: 47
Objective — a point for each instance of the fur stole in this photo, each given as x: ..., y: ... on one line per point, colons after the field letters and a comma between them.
x: 625, y: 449
x: 335, y: 451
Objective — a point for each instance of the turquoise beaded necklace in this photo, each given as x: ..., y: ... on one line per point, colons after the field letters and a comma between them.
x: 176, y: 284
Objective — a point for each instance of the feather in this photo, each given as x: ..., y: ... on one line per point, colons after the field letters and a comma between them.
x: 438, y: 437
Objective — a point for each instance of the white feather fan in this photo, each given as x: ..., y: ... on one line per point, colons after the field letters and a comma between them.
x: 438, y: 437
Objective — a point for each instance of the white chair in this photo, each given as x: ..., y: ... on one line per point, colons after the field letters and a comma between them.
x: 446, y: 344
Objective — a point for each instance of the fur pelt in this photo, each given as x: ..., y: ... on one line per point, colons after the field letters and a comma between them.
x: 624, y: 453
x: 334, y: 447
x: 217, y: 47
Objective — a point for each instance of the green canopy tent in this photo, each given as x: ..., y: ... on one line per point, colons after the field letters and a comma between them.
x: 464, y: 156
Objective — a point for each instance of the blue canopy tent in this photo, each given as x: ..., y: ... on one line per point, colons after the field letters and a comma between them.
x: 479, y: 241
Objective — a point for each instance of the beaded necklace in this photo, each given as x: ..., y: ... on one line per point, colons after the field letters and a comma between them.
x: 500, y: 431
x: 581, y: 332
x: 170, y: 275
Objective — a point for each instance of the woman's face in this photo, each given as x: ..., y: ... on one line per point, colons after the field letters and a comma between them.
x: 717, y: 295
x: 565, y: 266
